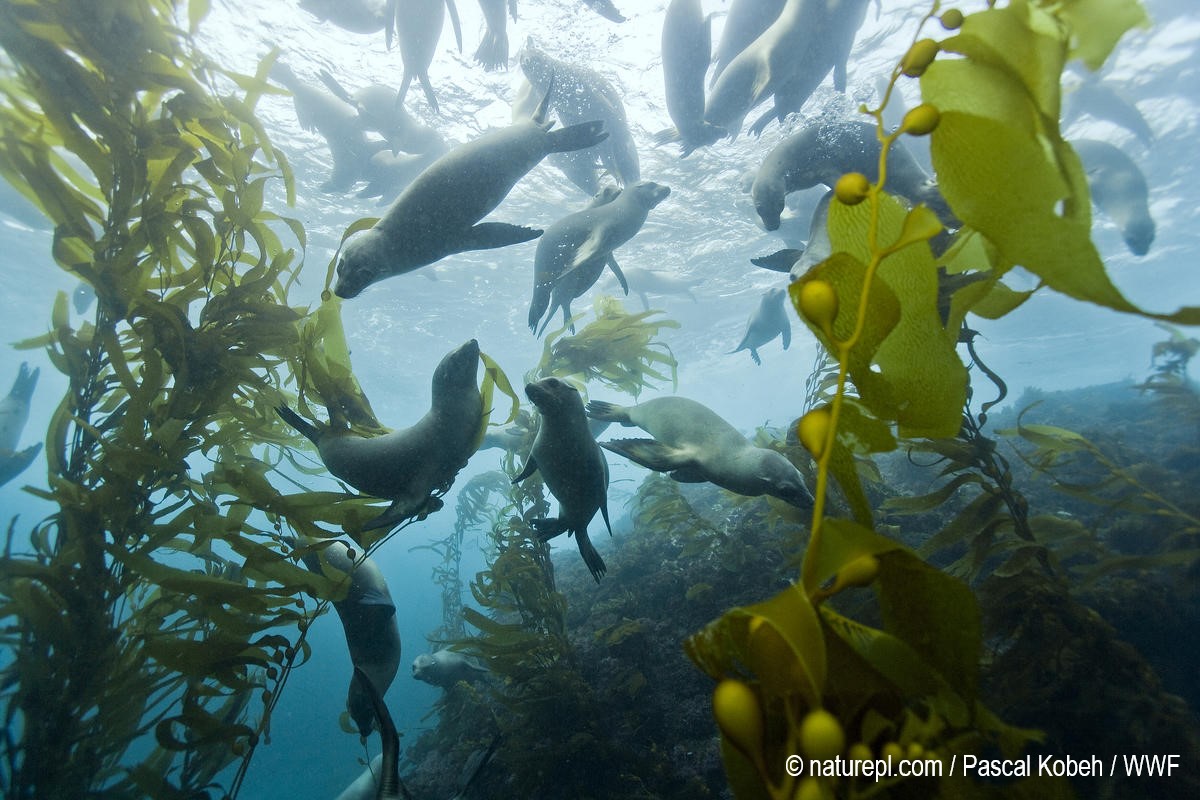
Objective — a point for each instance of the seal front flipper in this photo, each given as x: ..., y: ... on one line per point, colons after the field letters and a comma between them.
x: 530, y: 468
x: 576, y: 137
x: 608, y: 412
x: 13, y: 464
x: 490, y: 235
x: 779, y: 261
x: 302, y: 426
x: 616, y: 270
x: 650, y: 454
x: 402, y: 510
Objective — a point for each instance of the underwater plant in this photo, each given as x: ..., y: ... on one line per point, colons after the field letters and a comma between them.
x: 794, y: 675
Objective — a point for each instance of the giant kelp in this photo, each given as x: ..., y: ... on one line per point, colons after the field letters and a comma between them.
x: 160, y: 597
x: 910, y: 683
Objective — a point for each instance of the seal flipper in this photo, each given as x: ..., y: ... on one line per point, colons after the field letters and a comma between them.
x: 575, y: 137
x: 530, y: 468
x: 490, y: 235
x: 13, y: 464
x: 616, y: 270
x: 302, y: 426
x: 591, y: 557
x: 608, y: 412
x: 455, y: 24
x: 390, y: 785
x: 402, y: 510
x: 650, y: 453
x: 390, y: 10
x: 786, y: 332
x: 779, y: 261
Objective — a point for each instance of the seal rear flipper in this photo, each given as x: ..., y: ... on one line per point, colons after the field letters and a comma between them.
x: 430, y: 96
x: 779, y: 261
x: 490, y: 235
x: 608, y: 412
x: 13, y: 464
x: 667, y: 136
x: 595, y: 563
x: 493, y: 50
x: 649, y: 453
x: 390, y: 785
x: 302, y: 426
x: 455, y: 24
x: 339, y: 91
x: 576, y: 137
x: 390, y: 10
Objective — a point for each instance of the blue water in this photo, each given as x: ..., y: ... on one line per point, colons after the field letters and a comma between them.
x: 705, y: 230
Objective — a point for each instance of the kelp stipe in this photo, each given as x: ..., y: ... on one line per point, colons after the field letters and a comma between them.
x: 888, y: 308
x: 161, y: 599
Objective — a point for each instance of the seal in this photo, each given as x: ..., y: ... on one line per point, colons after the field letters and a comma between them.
x: 643, y: 282
x: 437, y: 214
x: 686, y: 42
x: 390, y: 787
x: 414, y: 465
x: 823, y: 152
x: 745, y: 22
x: 769, y: 320
x: 418, y: 30
x: 574, y: 250
x: 368, y: 618
x: 694, y: 445
x: 571, y: 464
x: 1119, y: 190
x: 578, y: 94
x: 356, y: 16
x: 445, y: 668
x: 337, y: 122
x: 606, y: 9
x: 14, y: 413
x: 378, y: 111
x: 828, y: 46
x: 796, y: 262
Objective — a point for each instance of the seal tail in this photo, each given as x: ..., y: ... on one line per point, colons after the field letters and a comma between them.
x: 608, y: 412
x: 25, y: 383
x: 302, y: 426
x: 576, y: 137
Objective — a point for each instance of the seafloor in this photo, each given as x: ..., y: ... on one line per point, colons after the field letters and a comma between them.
x: 1092, y: 648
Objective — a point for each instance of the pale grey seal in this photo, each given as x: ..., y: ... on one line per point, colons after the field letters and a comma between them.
x: 574, y: 250
x: 572, y: 466
x: 445, y: 668
x: 413, y: 465
x: 14, y: 413
x: 686, y: 42
x: 823, y: 152
x: 693, y: 444
x: 437, y: 214
x: 356, y: 16
x: 1119, y: 190
x: 768, y: 321
x: 606, y: 9
x: 579, y: 93
x: 418, y: 30
x: 745, y: 21
x: 368, y: 618
x: 493, y: 49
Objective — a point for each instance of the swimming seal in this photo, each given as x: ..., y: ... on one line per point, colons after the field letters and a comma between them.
x: 571, y: 464
x: 645, y: 281
x: 14, y: 413
x: 574, y: 250
x: 378, y: 111
x: 744, y: 22
x: 578, y: 94
x: 686, y: 42
x: 418, y: 30
x: 368, y: 618
x: 356, y: 16
x: 693, y: 444
x: 445, y: 668
x: 1119, y: 190
x: 769, y: 320
x: 822, y: 153
x: 796, y: 262
x: 438, y: 213
x: 411, y: 466
x: 606, y: 9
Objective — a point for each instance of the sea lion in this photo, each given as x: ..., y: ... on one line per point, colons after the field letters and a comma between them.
x: 822, y: 153
x: 14, y: 413
x: 411, y: 466
x: 745, y: 22
x: 493, y: 49
x: 579, y: 166
x: 578, y: 93
x: 445, y: 668
x: 643, y: 282
x: 790, y: 46
x: 356, y: 16
x: 1119, y: 190
x: 337, y: 122
x: 368, y: 618
x: 769, y: 320
x: 571, y: 464
x: 574, y: 250
x: 390, y: 787
x: 693, y: 444
x: 686, y: 42
x: 829, y: 45
x: 418, y: 30
x: 378, y: 111
x: 1100, y: 100
x: 436, y: 215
